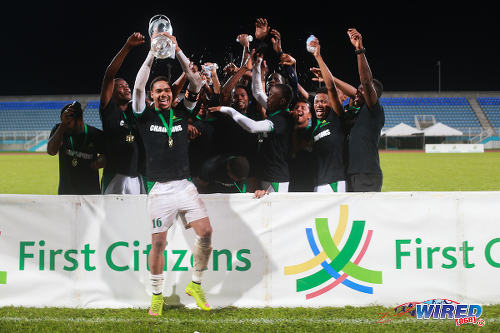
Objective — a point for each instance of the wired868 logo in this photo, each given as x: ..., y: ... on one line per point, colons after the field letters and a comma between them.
x: 437, y: 309
x: 340, y: 260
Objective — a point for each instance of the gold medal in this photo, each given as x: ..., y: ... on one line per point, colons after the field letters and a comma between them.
x: 74, y: 162
x: 170, y: 142
x: 129, y: 138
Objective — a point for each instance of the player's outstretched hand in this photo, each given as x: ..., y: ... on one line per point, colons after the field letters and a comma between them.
x: 260, y: 193
x: 214, y: 109
x: 135, y: 39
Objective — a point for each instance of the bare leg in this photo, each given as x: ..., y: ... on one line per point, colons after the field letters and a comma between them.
x: 156, y: 256
x: 202, y: 248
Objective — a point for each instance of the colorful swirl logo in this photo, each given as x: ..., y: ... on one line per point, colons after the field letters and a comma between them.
x: 340, y: 260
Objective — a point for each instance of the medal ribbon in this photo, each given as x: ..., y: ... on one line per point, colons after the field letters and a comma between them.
x: 244, y: 187
x: 128, y: 124
x: 73, y: 152
x: 168, y: 127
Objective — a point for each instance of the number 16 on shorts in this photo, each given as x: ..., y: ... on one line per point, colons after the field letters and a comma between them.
x: 157, y: 223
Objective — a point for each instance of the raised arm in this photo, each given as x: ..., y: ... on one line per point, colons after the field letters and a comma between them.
x: 243, y: 40
x: 365, y: 73
x: 108, y: 81
x: 233, y: 80
x: 344, y: 87
x: 328, y: 79
x: 214, y: 77
x: 139, y: 91
x: 246, y: 123
x: 56, y: 140
x: 194, y: 78
x: 257, y: 90
x: 178, y: 85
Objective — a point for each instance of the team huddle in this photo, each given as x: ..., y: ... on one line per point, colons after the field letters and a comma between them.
x: 258, y: 131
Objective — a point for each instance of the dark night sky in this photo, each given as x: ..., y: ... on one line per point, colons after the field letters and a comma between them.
x: 53, y: 50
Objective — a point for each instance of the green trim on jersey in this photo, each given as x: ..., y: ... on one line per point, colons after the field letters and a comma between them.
x: 148, y: 185
x: 107, y: 177
x: 334, y: 186
x: 275, y: 186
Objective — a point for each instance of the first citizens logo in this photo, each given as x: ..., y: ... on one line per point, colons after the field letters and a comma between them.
x: 340, y: 260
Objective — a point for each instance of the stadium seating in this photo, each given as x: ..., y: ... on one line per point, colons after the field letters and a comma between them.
x: 40, y: 115
x: 455, y: 112
x: 491, y: 107
x: 91, y: 114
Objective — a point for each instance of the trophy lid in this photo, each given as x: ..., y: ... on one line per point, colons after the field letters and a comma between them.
x: 159, y: 23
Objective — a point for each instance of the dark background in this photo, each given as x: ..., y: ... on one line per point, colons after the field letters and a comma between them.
x: 64, y: 48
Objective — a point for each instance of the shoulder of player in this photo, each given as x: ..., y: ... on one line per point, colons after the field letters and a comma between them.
x: 94, y: 131
x: 377, y: 107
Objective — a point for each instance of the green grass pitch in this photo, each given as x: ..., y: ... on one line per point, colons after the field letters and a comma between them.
x: 346, y: 319
x: 403, y: 171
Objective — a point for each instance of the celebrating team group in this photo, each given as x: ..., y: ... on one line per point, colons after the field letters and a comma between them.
x: 257, y: 131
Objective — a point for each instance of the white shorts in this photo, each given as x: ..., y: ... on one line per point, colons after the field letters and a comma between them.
x: 338, y: 187
x: 274, y: 187
x: 121, y: 184
x: 167, y: 200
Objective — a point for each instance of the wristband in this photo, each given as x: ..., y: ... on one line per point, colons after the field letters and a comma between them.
x: 191, y: 96
x: 363, y: 50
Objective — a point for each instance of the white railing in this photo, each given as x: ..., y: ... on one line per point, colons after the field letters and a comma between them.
x: 39, y: 137
x: 23, y: 140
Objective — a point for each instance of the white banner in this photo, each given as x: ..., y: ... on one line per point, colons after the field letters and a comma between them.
x: 295, y: 249
x: 454, y: 148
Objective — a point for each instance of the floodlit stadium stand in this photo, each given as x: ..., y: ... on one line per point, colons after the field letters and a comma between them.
x: 41, y: 115
x: 91, y: 114
x: 491, y: 107
x: 30, y: 116
x: 455, y: 112
x: 25, y: 122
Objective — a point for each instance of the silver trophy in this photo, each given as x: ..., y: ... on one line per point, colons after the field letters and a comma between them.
x: 161, y: 46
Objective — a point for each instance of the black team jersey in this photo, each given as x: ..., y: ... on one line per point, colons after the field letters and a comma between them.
x: 165, y: 162
x: 122, y: 156
x: 328, y: 148
x: 214, y: 172
x: 301, y: 162
x: 205, y: 145
x: 363, y: 141
x: 76, y: 154
x: 273, y: 151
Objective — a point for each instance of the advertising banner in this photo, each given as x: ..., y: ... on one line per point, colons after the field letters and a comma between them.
x: 454, y: 148
x: 294, y: 249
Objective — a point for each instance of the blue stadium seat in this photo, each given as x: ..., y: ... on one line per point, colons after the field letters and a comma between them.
x: 491, y: 107
x: 40, y: 115
x: 452, y: 111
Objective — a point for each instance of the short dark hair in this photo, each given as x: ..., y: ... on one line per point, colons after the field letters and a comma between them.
x: 240, y: 86
x: 239, y: 166
x: 322, y: 90
x: 303, y: 100
x: 286, y: 92
x: 158, y: 78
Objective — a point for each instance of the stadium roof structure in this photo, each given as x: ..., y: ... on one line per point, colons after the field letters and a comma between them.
x: 440, y: 129
x: 402, y: 129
